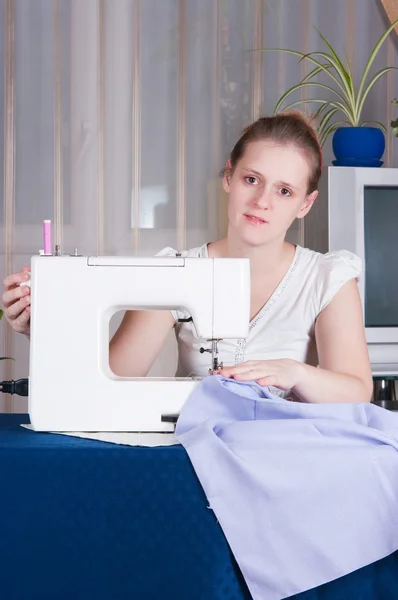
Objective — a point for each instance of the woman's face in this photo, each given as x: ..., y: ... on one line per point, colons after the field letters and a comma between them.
x: 267, y: 192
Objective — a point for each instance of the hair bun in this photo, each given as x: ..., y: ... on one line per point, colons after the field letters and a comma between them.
x: 286, y: 127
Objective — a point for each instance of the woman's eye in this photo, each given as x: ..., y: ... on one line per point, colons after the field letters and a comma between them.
x: 285, y: 192
x: 251, y: 180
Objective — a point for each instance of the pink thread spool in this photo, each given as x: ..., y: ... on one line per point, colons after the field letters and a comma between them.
x: 47, y: 237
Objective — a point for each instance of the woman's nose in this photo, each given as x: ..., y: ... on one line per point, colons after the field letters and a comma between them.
x: 263, y: 200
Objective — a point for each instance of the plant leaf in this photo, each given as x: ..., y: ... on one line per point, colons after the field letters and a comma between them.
x: 352, y: 106
x: 377, y: 123
x: 329, y: 130
x: 309, y: 57
x: 320, y: 110
x: 334, y: 103
x: 314, y: 72
x: 371, y: 59
x: 326, y: 118
x: 344, y: 86
x: 305, y: 84
x: 1, y: 314
x: 369, y: 87
x: 349, y: 70
x: 346, y: 75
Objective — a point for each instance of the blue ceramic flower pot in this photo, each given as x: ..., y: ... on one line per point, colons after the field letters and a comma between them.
x: 358, y: 146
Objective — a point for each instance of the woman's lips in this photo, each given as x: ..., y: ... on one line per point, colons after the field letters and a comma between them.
x: 255, y: 220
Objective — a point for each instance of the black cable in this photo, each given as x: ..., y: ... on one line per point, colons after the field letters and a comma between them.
x: 19, y: 387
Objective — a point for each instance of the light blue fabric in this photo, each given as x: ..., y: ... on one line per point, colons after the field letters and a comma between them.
x: 305, y: 493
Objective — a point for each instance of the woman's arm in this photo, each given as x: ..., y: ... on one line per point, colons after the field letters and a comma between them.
x: 344, y: 373
x: 138, y: 341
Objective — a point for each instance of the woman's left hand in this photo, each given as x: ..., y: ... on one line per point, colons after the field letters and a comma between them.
x: 282, y: 373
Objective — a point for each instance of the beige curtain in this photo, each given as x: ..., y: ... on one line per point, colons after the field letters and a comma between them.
x: 118, y: 115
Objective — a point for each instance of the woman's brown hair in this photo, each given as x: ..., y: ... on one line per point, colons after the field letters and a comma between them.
x: 289, y: 128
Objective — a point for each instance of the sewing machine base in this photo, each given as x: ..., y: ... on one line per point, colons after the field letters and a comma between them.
x: 150, y: 406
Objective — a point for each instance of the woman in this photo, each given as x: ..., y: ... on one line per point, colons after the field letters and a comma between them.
x: 307, y: 339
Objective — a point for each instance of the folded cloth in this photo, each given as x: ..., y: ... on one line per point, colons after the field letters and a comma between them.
x: 305, y: 493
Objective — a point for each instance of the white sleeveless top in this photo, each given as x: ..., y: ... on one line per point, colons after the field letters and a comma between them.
x: 285, y: 326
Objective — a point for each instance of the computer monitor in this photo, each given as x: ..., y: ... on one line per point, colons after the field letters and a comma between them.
x: 363, y: 218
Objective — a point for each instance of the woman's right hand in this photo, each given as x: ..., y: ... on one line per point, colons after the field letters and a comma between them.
x: 16, y: 301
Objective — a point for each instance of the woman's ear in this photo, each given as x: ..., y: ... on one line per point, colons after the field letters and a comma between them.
x: 306, y: 207
x: 227, y: 175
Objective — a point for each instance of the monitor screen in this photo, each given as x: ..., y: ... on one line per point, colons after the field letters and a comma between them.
x: 381, y: 256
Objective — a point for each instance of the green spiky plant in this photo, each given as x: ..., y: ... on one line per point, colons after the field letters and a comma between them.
x: 4, y: 357
x: 348, y: 102
x: 394, y: 123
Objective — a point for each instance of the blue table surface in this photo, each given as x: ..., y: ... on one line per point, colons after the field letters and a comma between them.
x: 85, y: 519
x: 8, y: 420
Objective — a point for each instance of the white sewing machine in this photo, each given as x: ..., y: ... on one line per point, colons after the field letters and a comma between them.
x: 71, y: 386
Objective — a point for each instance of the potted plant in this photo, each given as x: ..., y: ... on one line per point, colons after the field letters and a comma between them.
x: 355, y: 142
x: 394, y: 123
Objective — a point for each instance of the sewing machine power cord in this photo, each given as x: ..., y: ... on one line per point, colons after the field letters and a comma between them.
x: 19, y: 387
